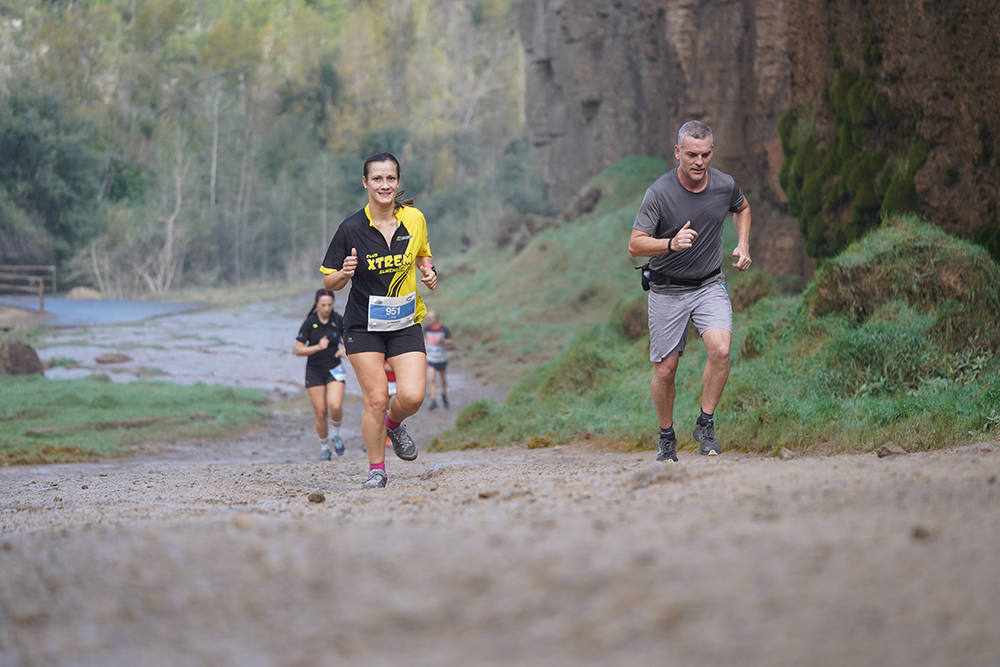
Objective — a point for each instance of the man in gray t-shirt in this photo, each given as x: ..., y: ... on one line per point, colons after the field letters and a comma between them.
x: 679, y: 226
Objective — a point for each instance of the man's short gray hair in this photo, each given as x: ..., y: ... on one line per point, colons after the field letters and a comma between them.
x: 694, y: 129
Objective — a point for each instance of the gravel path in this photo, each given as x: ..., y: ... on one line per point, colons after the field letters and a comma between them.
x: 211, y: 553
x: 563, y: 556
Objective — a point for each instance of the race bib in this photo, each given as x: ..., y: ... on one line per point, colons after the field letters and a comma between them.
x: 338, y: 373
x: 391, y: 313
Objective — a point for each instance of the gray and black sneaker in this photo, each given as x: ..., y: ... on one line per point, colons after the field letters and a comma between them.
x: 705, y: 435
x: 666, y: 450
x: 376, y: 479
x: 402, y: 443
x: 444, y: 399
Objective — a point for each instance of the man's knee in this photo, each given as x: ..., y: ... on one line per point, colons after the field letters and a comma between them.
x: 665, y: 370
x: 718, y: 352
x: 717, y: 343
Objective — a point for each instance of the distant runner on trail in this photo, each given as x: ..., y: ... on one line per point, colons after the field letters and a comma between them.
x: 321, y: 339
x: 679, y: 226
x: 379, y: 249
x: 390, y: 378
x: 437, y: 339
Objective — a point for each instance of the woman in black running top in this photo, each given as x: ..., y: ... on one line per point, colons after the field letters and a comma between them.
x: 320, y: 339
x: 381, y: 250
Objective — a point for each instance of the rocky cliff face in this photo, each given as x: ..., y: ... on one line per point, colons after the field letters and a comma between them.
x: 939, y: 64
x: 607, y: 79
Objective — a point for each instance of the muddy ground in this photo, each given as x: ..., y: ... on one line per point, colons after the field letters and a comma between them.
x: 211, y: 553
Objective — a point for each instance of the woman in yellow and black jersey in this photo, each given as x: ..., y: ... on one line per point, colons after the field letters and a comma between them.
x: 379, y: 250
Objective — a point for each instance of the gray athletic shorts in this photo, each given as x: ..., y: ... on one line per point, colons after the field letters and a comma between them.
x: 707, y: 306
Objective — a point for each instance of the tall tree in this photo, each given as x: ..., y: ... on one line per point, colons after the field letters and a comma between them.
x: 48, y: 165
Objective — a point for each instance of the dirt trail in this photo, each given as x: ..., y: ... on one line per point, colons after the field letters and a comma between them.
x: 212, y: 554
x: 507, y: 556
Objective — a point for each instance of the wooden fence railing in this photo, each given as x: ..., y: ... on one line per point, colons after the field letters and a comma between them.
x: 30, y: 278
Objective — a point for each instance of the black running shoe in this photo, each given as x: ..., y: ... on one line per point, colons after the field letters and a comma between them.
x: 376, y: 479
x: 402, y: 443
x: 666, y: 450
x: 707, y: 444
x: 444, y: 399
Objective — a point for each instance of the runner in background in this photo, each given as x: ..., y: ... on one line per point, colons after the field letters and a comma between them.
x: 390, y: 378
x: 320, y: 340
x: 437, y: 340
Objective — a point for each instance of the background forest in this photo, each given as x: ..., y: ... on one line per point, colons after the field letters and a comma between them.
x: 153, y: 144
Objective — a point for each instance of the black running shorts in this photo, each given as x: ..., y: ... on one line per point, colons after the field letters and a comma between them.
x: 317, y: 377
x: 389, y: 343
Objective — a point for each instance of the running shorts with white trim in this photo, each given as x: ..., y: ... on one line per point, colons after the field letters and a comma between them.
x: 317, y: 377
x: 707, y: 306
x: 389, y: 343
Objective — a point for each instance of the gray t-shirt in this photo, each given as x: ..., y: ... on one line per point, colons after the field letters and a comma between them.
x: 668, y: 205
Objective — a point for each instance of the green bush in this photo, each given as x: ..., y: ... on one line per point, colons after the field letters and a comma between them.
x: 843, y: 79
x: 882, y: 357
x: 860, y: 97
x: 578, y: 371
x: 901, y: 196
x: 787, y: 122
x: 865, y: 198
x: 50, y: 170
x: 474, y: 413
x: 812, y: 193
x: 911, y: 260
x: 917, y: 156
x: 840, y: 190
x: 884, y: 112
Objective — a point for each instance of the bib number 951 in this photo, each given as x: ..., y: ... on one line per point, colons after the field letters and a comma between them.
x: 391, y: 313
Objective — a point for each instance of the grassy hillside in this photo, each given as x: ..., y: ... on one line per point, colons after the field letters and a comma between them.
x: 895, y: 339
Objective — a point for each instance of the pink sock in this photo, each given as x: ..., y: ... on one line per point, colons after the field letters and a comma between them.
x: 390, y: 423
x: 377, y: 466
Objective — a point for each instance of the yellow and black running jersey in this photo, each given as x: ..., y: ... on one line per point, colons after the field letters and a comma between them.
x: 383, y: 269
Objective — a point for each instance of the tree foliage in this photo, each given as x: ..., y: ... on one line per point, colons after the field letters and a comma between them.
x: 201, y: 142
x: 48, y: 169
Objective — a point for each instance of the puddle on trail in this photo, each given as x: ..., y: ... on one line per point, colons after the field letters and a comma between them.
x: 63, y: 312
x: 246, y: 347
x: 249, y: 346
